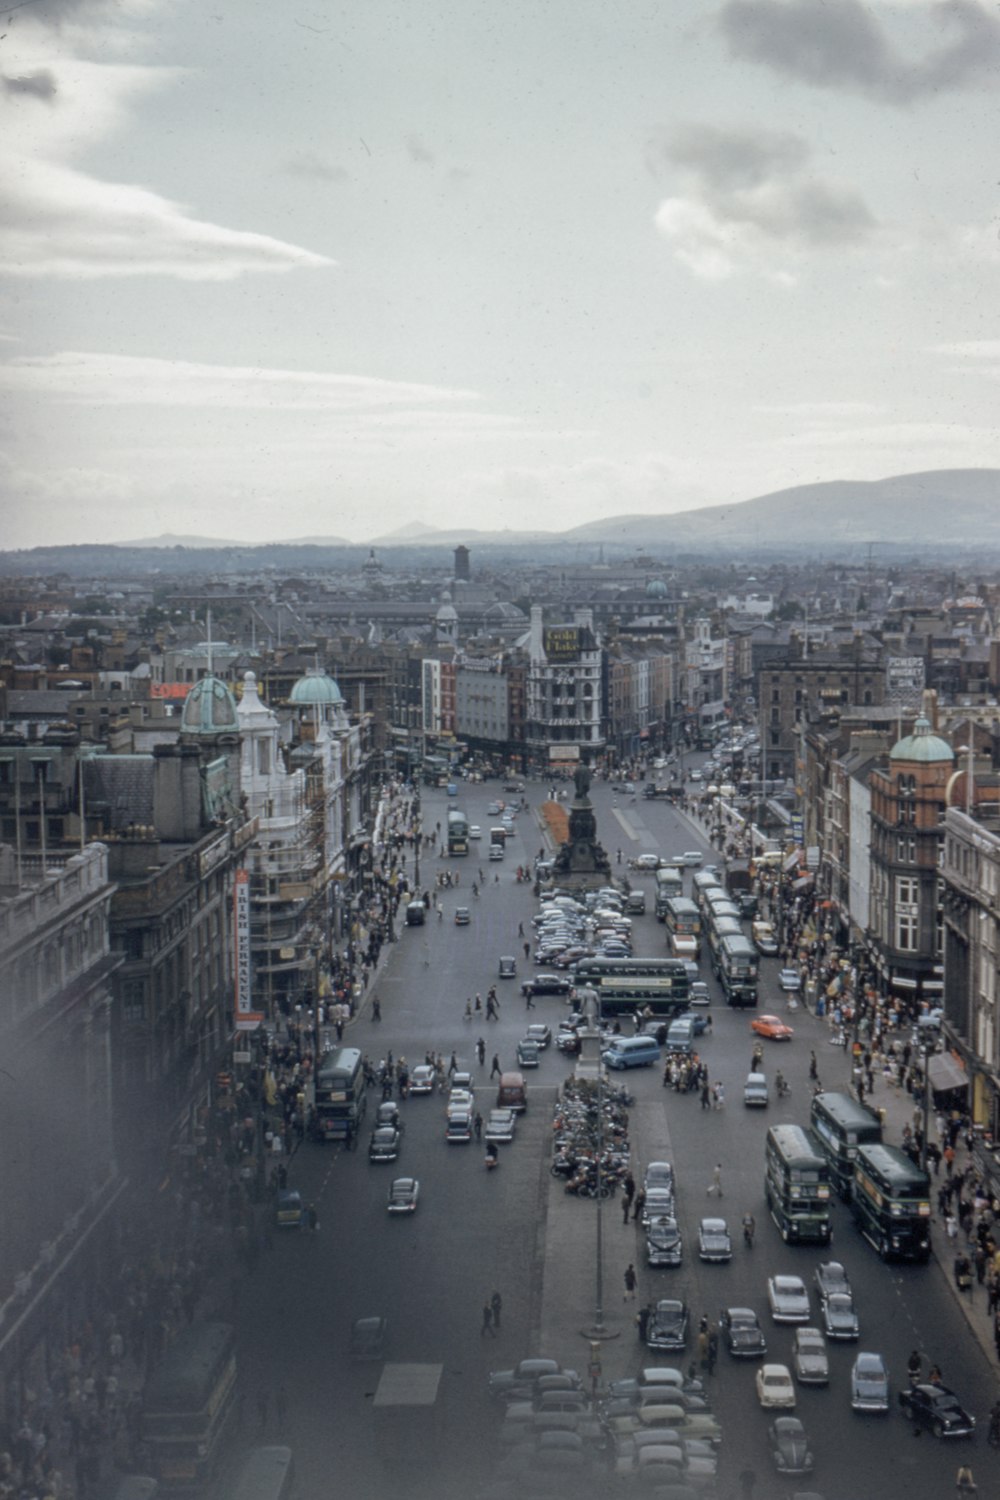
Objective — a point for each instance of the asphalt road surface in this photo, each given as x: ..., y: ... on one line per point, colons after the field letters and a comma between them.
x: 514, y: 1231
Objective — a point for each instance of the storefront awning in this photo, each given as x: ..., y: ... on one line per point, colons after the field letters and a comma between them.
x: 945, y: 1073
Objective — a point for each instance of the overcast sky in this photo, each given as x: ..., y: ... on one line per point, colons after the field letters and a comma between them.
x: 274, y: 270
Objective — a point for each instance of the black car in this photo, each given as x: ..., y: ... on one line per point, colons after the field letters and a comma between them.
x: 384, y: 1145
x: 789, y: 1446
x: 547, y: 984
x: 936, y: 1407
x: 663, y: 1242
x: 744, y: 1338
x: 667, y: 1327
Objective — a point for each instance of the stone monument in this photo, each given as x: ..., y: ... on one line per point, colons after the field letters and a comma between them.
x: 582, y: 862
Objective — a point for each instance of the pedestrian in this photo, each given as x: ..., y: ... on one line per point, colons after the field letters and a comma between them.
x: 478, y: 1125
x: 964, y: 1483
x: 642, y: 1322
x: 529, y: 1001
x: 496, y: 1304
x: 496, y: 1069
x: 748, y: 1480
x: 813, y: 1070
x: 715, y: 1186
x: 487, y: 1322
x: 630, y: 1283
x: 713, y: 1350
x: 527, y: 951
x: 703, y: 1347
x: 312, y: 1219
x: 628, y: 1186
x: 626, y: 1206
x: 481, y: 1051
x: 453, y: 1065
x: 640, y: 1204
x: 376, y: 1009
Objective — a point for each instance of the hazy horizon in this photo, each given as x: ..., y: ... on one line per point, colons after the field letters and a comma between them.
x: 329, y: 272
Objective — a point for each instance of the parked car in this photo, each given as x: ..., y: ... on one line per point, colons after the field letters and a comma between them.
x: 938, y: 1409
x: 508, y: 1384
x: 743, y: 1334
x: 659, y: 1204
x: 869, y: 1383
x: 809, y: 1358
x: 664, y: 1245
x: 839, y: 1317
x: 789, y: 1299
x: 774, y: 1386
x: 403, y: 1195
x: 789, y: 1446
x: 658, y: 1174
x: 714, y: 1243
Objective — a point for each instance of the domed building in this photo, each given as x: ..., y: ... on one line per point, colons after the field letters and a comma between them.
x: 908, y: 800
x: 210, y: 722
x: 316, y: 699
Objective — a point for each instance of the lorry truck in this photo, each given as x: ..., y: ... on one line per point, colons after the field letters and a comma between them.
x: 408, y: 1417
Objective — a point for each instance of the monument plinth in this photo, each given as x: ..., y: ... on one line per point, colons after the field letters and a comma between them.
x: 581, y: 863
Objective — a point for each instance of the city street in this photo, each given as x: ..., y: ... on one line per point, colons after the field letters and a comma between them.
x: 515, y: 1231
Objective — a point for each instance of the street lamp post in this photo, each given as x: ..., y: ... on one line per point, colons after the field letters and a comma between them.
x: 417, y: 833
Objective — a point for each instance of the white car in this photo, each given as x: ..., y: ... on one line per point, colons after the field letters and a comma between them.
x: 646, y: 862
x: 789, y: 1299
x: 475, y: 832
x: 774, y: 1386
x: 423, y: 1079
x: 788, y: 979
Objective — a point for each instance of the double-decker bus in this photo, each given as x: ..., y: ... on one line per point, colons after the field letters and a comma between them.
x: 626, y: 986
x: 339, y: 1096
x: 704, y: 882
x: 797, y: 1185
x: 187, y: 1404
x: 736, y: 964
x: 721, y: 920
x: 892, y: 1203
x: 683, y: 928
x: 458, y: 832
x: 669, y: 883
x: 842, y: 1125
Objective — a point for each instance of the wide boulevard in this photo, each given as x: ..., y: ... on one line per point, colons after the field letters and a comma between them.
x: 515, y: 1231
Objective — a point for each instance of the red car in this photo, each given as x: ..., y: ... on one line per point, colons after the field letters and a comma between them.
x: 772, y: 1027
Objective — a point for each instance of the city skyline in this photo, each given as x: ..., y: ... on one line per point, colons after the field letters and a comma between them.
x: 336, y: 271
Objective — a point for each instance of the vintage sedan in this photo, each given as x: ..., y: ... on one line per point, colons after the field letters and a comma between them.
x: 809, y: 1357
x: 839, y: 1317
x: 831, y: 1277
x: 714, y: 1243
x: 645, y: 862
x: 869, y: 1383
x: 547, y: 984
x: 500, y: 1126
x: 423, y: 1079
x: 539, y: 1033
x: 384, y: 1144
x: 774, y: 1386
x: 667, y: 1327
x: 463, y: 916
x: 743, y: 1334
x: 939, y: 1409
x: 403, y: 1195
x: 664, y: 1246
x: 659, y: 1205
x: 772, y: 1027
x: 789, y: 1446
x: 789, y: 1299
x: 789, y: 980
x: 527, y: 1053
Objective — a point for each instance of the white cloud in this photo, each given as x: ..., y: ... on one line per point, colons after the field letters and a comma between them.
x: 129, y: 380
x: 976, y: 446
x: 60, y: 221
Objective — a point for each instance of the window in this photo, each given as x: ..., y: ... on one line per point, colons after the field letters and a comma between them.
x: 906, y: 848
x: 907, y: 891
x: 906, y: 932
x: 133, y: 1002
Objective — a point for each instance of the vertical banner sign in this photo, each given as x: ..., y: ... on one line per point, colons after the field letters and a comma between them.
x: 246, y: 1018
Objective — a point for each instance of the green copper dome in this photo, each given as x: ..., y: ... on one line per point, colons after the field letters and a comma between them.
x: 313, y: 688
x: 210, y: 708
x: 922, y: 745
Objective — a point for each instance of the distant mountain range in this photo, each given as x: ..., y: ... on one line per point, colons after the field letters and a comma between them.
x: 943, y: 510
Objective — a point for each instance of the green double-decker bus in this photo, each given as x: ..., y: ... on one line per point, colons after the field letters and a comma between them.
x: 797, y: 1185
x: 657, y: 987
x: 892, y: 1203
x: 842, y: 1125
